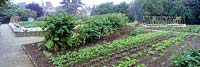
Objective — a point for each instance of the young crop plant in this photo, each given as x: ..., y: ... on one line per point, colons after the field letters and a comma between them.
x: 164, y: 44
x: 189, y: 58
x: 128, y: 63
x: 84, y: 54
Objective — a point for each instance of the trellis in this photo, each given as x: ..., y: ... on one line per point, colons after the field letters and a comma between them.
x: 163, y: 20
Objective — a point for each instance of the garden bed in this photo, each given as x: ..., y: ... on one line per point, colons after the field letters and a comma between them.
x: 35, y: 52
x: 139, y: 52
x: 21, y: 31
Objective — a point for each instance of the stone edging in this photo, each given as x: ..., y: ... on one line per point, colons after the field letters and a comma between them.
x: 28, y: 54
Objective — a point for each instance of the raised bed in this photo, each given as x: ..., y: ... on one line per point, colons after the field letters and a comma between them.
x: 21, y: 31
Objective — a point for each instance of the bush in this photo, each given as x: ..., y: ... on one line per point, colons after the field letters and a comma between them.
x: 101, y: 25
x: 58, y: 30
x: 190, y: 58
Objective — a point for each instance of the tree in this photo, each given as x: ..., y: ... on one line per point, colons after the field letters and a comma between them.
x: 135, y: 11
x: 10, y: 9
x: 104, y: 8
x: 2, y: 2
x: 194, y: 5
x: 35, y: 7
x: 109, y: 7
x: 71, y: 6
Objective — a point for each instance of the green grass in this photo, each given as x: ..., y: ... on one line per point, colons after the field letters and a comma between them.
x: 32, y: 24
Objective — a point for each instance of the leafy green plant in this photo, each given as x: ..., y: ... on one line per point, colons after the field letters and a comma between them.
x: 189, y: 58
x: 81, y: 55
x: 141, y: 65
x: 138, y: 31
x: 58, y: 30
x: 164, y: 44
x: 128, y: 63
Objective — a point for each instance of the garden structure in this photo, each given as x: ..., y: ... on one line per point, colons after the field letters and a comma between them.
x: 27, y: 28
x: 163, y: 21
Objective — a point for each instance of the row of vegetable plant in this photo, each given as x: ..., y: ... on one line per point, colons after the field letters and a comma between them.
x: 128, y: 63
x: 188, y: 28
x: 164, y: 44
x: 189, y: 58
x: 66, y: 31
x: 81, y: 55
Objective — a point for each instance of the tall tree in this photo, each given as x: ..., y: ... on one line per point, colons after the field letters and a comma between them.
x: 194, y: 5
x: 71, y: 6
x: 135, y: 11
x: 37, y: 8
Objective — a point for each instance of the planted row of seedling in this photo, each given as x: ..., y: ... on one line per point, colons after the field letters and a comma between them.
x: 164, y: 44
x: 119, y: 54
x: 84, y: 54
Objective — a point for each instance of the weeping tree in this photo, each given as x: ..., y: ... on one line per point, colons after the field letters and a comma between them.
x: 71, y: 6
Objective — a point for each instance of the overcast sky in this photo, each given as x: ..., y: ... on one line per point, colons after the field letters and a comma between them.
x: 87, y: 2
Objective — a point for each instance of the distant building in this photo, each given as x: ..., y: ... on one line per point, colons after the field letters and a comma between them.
x: 48, y: 8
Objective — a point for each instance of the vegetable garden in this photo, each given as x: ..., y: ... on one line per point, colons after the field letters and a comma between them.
x: 101, y: 41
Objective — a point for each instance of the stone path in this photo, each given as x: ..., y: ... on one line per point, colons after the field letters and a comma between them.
x: 11, y: 52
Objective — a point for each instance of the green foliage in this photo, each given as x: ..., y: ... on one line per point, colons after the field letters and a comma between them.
x: 138, y: 31
x: 58, y: 30
x: 84, y: 54
x: 141, y: 65
x: 189, y: 28
x: 31, y: 24
x: 109, y: 7
x: 94, y: 27
x: 66, y: 32
x: 11, y: 9
x: 189, y: 58
x: 164, y: 44
x: 2, y: 2
x: 128, y: 63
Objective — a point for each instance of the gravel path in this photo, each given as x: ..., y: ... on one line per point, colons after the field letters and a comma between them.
x: 11, y: 53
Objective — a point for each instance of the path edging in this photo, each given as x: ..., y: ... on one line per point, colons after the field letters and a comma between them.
x: 28, y: 54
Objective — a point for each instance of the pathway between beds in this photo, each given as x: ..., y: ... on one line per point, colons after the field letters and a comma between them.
x: 11, y: 52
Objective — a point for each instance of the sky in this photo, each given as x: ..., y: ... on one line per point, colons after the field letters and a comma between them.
x: 87, y: 2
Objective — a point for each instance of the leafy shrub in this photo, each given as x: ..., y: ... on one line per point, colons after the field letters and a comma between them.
x: 58, y: 29
x: 190, y: 58
x: 94, y: 27
x: 65, y: 31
